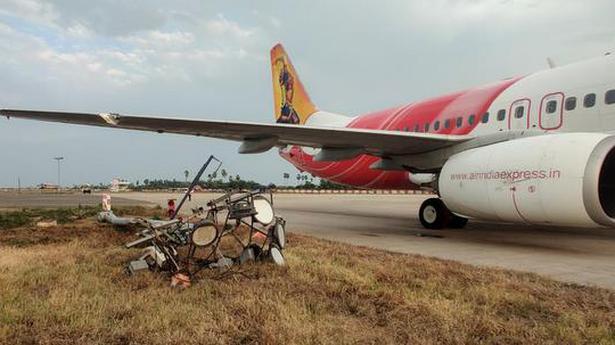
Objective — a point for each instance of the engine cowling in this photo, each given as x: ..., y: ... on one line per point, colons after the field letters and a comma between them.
x: 563, y: 179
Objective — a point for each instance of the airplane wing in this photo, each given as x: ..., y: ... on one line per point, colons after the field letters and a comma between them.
x: 261, y: 137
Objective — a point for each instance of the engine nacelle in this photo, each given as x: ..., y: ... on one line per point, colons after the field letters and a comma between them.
x: 560, y: 179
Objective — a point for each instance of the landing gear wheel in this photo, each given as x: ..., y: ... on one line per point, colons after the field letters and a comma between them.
x: 458, y: 222
x: 433, y: 214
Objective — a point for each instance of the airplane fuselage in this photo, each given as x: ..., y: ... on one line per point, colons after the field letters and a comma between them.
x: 575, y: 98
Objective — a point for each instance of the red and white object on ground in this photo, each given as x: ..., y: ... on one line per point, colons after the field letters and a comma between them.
x: 106, y: 202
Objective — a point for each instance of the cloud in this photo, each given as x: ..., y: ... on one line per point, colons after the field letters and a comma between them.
x: 79, y: 31
x: 160, y: 39
x: 73, y: 47
x: 82, y: 18
x: 33, y: 10
x: 223, y: 26
x: 109, y: 17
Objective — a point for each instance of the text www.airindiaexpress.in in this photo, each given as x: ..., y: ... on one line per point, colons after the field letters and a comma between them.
x: 509, y: 175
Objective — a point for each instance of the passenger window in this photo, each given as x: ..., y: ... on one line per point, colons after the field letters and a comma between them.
x: 485, y: 118
x: 589, y: 100
x: 571, y: 103
x: 501, y: 114
x: 459, y: 121
x: 427, y: 127
x: 471, y: 119
x: 519, y: 111
x: 436, y: 125
x: 447, y: 123
x: 609, y: 97
x: 551, y: 106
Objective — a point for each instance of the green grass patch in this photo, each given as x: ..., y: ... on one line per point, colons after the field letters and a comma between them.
x: 25, y: 217
x: 29, y: 216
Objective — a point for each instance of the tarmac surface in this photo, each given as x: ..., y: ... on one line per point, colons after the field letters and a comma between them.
x: 390, y: 222
x: 30, y: 199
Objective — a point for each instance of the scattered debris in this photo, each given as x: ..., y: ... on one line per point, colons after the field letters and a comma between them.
x: 136, y: 266
x: 236, y: 228
x: 109, y: 217
x: 46, y: 224
x: 180, y: 280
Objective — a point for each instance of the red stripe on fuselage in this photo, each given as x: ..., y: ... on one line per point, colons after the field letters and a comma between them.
x: 356, y: 172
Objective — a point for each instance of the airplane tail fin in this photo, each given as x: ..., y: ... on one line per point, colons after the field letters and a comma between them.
x: 291, y: 102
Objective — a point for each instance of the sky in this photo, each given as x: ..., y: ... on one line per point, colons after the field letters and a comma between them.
x: 209, y: 59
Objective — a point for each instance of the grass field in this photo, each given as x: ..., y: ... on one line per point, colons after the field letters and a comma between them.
x: 65, y: 285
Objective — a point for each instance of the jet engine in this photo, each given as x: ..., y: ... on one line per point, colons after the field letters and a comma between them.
x: 560, y: 179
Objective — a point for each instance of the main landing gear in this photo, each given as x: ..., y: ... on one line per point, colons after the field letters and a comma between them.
x: 433, y: 214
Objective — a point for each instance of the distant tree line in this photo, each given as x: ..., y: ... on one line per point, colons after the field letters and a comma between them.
x: 209, y: 184
x: 224, y: 180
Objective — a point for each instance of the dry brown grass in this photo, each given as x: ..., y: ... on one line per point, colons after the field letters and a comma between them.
x: 69, y: 288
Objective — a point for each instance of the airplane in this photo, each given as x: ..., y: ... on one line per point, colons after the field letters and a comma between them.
x: 537, y: 149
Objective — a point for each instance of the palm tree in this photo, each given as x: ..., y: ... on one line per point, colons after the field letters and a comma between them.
x: 223, y: 173
x: 186, y: 173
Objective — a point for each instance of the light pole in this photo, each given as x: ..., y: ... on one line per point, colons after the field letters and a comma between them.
x: 58, y: 159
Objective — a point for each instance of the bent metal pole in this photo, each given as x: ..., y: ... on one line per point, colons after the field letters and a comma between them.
x: 196, y: 180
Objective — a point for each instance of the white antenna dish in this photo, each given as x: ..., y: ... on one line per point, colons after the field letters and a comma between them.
x: 276, y: 256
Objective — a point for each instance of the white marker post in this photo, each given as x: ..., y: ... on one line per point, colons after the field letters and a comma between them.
x: 106, y: 202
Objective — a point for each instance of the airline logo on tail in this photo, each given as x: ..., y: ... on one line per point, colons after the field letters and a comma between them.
x: 292, y: 103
